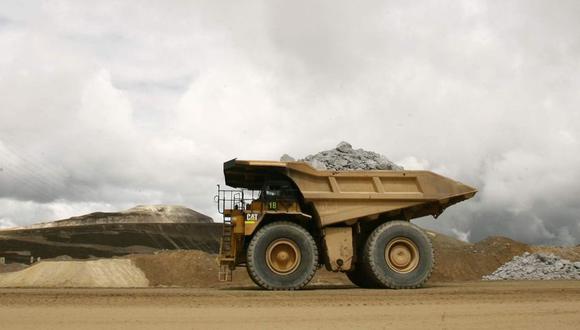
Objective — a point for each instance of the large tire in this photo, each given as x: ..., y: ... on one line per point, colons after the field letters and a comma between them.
x: 282, y: 256
x: 398, y: 255
x: 361, y: 278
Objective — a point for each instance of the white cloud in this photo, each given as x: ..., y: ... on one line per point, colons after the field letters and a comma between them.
x: 460, y: 235
x: 413, y: 163
x: 27, y: 212
x: 6, y: 223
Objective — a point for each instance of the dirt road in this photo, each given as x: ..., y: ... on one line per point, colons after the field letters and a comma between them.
x: 503, y: 305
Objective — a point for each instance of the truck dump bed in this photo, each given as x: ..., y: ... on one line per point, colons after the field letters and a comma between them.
x: 343, y: 196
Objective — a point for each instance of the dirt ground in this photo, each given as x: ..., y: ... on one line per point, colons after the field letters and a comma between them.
x: 467, y: 305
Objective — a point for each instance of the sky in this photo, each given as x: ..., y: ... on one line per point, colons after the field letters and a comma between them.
x: 109, y: 104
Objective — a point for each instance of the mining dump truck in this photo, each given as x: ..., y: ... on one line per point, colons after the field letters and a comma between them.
x: 286, y: 219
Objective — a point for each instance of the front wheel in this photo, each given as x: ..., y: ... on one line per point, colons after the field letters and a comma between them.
x: 398, y: 255
x: 282, y: 256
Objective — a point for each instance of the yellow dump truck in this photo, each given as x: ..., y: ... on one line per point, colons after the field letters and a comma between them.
x: 286, y: 219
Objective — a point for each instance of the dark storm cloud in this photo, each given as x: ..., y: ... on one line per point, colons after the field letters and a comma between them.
x: 103, y: 106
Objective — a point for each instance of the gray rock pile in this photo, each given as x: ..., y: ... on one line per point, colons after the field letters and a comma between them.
x: 536, y: 266
x: 345, y: 158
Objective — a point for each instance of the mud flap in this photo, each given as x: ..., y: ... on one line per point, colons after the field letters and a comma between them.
x: 338, y: 244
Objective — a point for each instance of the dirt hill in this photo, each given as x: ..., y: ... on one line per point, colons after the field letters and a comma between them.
x: 142, y: 229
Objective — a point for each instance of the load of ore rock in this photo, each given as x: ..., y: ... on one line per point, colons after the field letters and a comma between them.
x: 345, y: 158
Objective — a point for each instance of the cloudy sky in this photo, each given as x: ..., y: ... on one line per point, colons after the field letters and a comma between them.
x: 105, y: 105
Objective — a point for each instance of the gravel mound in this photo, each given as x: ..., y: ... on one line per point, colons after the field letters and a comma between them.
x: 105, y: 273
x: 536, y: 266
x: 345, y: 158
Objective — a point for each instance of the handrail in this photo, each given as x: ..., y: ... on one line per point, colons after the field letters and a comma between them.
x: 229, y: 199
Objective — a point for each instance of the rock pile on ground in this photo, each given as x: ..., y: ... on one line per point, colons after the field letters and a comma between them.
x: 536, y: 266
x: 345, y: 158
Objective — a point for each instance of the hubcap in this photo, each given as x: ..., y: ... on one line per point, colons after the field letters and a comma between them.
x: 283, y: 256
x: 402, y: 255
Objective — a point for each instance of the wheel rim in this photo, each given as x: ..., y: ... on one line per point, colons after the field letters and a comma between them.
x: 402, y: 255
x: 283, y: 256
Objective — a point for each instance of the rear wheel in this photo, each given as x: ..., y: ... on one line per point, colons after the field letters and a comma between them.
x: 282, y: 256
x: 398, y: 255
